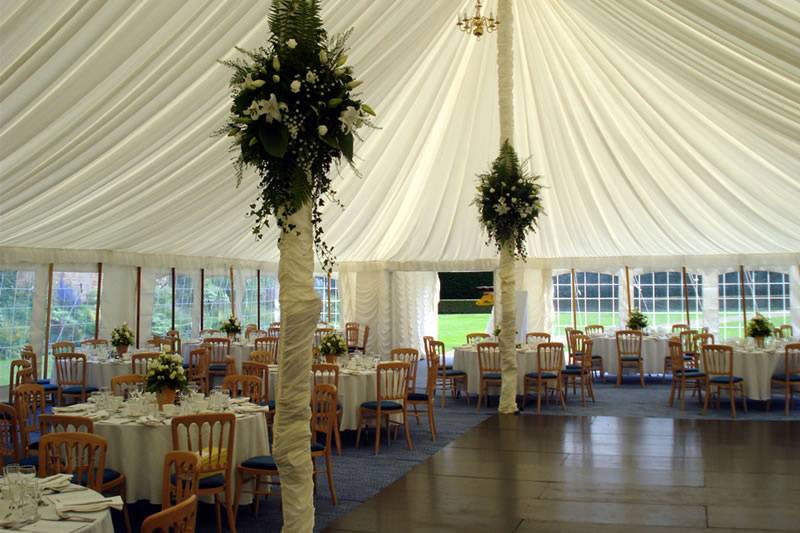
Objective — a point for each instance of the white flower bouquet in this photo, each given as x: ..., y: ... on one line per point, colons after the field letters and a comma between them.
x: 122, y: 335
x: 232, y: 326
x: 333, y: 344
x: 166, y: 372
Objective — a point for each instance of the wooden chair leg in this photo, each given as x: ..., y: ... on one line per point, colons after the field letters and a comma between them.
x: 708, y: 395
x: 360, y: 424
x: 539, y: 396
x: 480, y: 395
x: 672, y: 392
x: 229, y: 508
x: 238, y: 494
x: 641, y: 373
x: 732, y: 392
x: 619, y: 373
x: 337, y: 436
x: 407, y: 431
x: 744, y: 398
x: 219, y: 512
x: 329, y: 468
x: 787, y: 402
x: 378, y: 422
x: 431, y: 421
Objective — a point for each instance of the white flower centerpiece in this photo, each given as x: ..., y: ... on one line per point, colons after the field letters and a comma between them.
x: 121, y: 338
x: 509, y: 204
x: 332, y: 346
x: 232, y: 327
x: 295, y: 114
x: 165, y: 377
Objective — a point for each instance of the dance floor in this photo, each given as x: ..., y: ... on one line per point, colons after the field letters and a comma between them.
x: 610, y: 474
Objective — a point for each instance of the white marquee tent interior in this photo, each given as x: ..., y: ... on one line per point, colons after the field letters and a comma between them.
x: 668, y: 135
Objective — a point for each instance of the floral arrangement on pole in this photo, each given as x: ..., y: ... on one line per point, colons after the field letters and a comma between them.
x: 122, y: 337
x: 636, y: 320
x: 295, y: 112
x: 332, y: 345
x: 759, y: 327
x: 232, y: 326
x: 165, y: 376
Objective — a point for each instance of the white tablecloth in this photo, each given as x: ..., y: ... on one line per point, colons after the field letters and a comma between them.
x: 138, y: 451
x: 239, y: 351
x: 47, y: 515
x: 466, y: 358
x: 99, y: 374
x: 756, y: 367
x: 654, y: 350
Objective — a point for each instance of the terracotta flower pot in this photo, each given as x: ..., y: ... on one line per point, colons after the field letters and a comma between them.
x: 759, y: 341
x: 166, y: 396
x: 331, y: 358
x: 122, y: 348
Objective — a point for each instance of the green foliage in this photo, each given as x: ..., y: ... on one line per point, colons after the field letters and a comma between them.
x: 509, y: 201
x: 332, y: 344
x: 122, y: 335
x: 636, y: 320
x: 759, y: 326
x: 166, y: 372
x: 294, y: 115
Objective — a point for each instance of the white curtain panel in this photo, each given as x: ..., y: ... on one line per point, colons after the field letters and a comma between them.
x: 537, y: 283
x: 118, y: 299
x: 711, y: 298
x: 794, y: 277
x: 415, y: 302
x: 367, y: 299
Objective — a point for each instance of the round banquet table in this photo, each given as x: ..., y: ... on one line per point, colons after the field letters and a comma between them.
x: 466, y: 358
x: 99, y: 373
x: 756, y: 367
x: 48, y: 518
x: 239, y: 351
x: 654, y: 350
x: 138, y: 450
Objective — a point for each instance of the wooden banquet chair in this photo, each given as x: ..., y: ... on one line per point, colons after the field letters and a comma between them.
x: 210, y: 332
x: 266, y: 344
x: 81, y: 454
x: 323, y: 420
x: 240, y: 385
x: 249, y: 329
x: 629, y: 353
x: 688, y: 339
x: 94, y: 342
x: 50, y: 389
x: 718, y: 367
x: 197, y: 371
x: 490, y: 374
x: 364, y: 340
x: 219, y: 351
x: 392, y: 391
x: 320, y: 334
x: 577, y: 340
x: 786, y: 331
x: 29, y: 403
x: 212, y: 437
x: 448, y: 378
x: 180, y: 477
x: 789, y: 379
x: 549, y: 363
x: 140, y: 362
x: 351, y: 333
x: 410, y: 356
x: 261, y: 371
x: 180, y: 518
x: 426, y: 344
x: 473, y: 338
x: 328, y: 374
x: 677, y: 329
x: 582, y: 373
x: 681, y: 374
x: 20, y: 371
x: 536, y: 337
x: 122, y: 385
x: 9, y: 435
x: 62, y: 347
x: 71, y: 376
x: 569, y: 332
x: 274, y: 330
x: 425, y: 399
x: 594, y: 329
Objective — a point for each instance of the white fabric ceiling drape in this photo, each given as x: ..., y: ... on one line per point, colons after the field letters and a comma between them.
x: 661, y: 128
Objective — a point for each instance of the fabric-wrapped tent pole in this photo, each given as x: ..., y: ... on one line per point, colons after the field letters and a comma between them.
x: 508, y: 321
x: 300, y: 308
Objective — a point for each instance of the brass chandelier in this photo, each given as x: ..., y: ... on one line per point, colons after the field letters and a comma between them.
x: 477, y: 24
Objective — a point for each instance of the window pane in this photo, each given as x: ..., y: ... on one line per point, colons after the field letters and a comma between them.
x: 562, y: 304
x: 162, y: 305
x: 16, y: 305
x: 599, y: 301
x: 216, y: 301
x: 662, y: 300
x: 72, y: 317
x: 321, y: 287
x: 184, y: 300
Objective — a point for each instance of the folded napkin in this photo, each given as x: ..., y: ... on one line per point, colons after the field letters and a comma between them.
x: 248, y: 408
x: 56, y: 481
x: 90, y: 506
x: 99, y: 415
x: 72, y: 408
x: 239, y: 400
x: 149, y: 420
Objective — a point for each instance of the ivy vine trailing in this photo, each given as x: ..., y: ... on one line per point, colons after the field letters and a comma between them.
x: 294, y: 115
x: 509, y: 201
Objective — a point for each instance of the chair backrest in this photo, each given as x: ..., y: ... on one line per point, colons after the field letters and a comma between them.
x: 274, y: 330
x: 410, y: 356
x: 211, y: 436
x: 489, y: 358
x: 392, y: 381
x: 320, y: 334
x: 244, y: 385
x: 80, y: 454
x: 218, y: 349
x: 265, y: 357
x: 30, y: 404
x: 718, y: 360
x: 62, y: 347
x: 140, y: 362
x: 550, y: 357
x: 323, y: 412
x: 582, y: 344
x: 65, y: 423
x: 267, y: 344
x: 537, y: 337
x: 249, y: 329
x: 792, y: 359
x: 9, y: 434
x: 629, y: 342
x: 30, y: 356
x: 351, y: 332
x: 703, y: 339
x: 210, y: 332
x: 180, y: 477
x: 433, y: 374
x: 18, y: 376
x: 678, y: 328
x: 180, y: 518
x: 365, y: 339
x: 199, y: 359
x: 577, y: 343
x: 676, y: 355
x: 70, y: 368
x: 426, y: 344
x: 325, y: 373
x: 594, y: 329
x: 476, y: 337
x: 570, y: 333
x: 786, y: 330
x: 436, y: 353
x: 689, y: 340
x: 94, y: 342
x: 124, y: 384
x: 261, y: 371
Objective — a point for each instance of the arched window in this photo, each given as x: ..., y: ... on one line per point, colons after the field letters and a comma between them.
x: 659, y: 295
x: 765, y: 292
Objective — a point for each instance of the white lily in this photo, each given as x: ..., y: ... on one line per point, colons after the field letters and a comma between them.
x: 295, y: 86
x: 323, y: 57
x: 250, y: 83
x: 270, y: 108
x: 255, y: 110
x: 350, y: 119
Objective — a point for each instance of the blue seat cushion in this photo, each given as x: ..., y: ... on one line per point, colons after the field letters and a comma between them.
x: 545, y: 375
x: 452, y: 372
x: 577, y: 354
x: 782, y: 377
x: 690, y: 372
x: 186, y: 366
x: 109, y: 475
x: 50, y: 387
x: 492, y: 375
x: 570, y: 371
x: 386, y: 405
x: 271, y: 405
x: 261, y: 462
x: 417, y: 396
x: 42, y: 381
x: 33, y: 460
x: 726, y: 379
x: 688, y: 358
x: 573, y: 366
x: 212, y: 482
x: 218, y: 367
x: 448, y: 367
x: 317, y: 447
x: 77, y: 389
x: 630, y: 358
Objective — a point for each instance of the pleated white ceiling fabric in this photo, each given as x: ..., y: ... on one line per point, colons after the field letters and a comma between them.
x: 661, y: 128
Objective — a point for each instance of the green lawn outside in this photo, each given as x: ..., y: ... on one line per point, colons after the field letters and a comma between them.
x: 453, y: 329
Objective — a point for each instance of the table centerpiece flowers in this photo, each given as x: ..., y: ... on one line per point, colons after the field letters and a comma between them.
x: 165, y: 377
x: 636, y: 320
x: 759, y: 327
x: 231, y: 327
x: 332, y: 346
x: 121, y: 338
